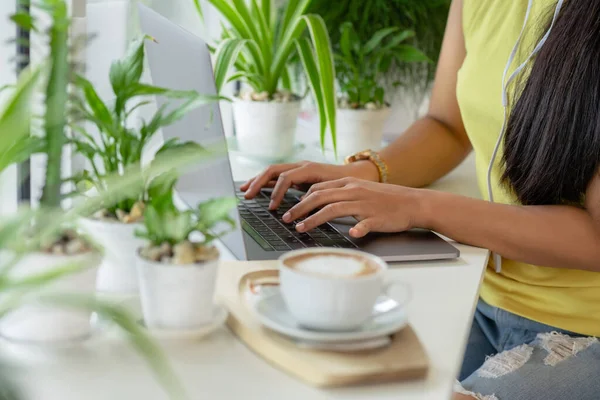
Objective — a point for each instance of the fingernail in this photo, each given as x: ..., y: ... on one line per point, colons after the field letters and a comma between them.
x: 286, y: 217
x: 300, y: 227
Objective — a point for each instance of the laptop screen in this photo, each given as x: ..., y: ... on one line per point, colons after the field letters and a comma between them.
x: 180, y: 60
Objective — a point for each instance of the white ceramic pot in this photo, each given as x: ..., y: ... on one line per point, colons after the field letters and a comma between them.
x: 36, y: 322
x: 176, y: 296
x: 117, y: 273
x: 357, y: 130
x: 265, y: 129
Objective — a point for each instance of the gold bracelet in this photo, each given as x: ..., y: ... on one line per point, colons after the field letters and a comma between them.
x: 375, y: 158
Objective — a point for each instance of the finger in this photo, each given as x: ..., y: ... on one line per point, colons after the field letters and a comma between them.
x: 362, y: 228
x: 269, y: 174
x: 330, y: 212
x: 319, y: 199
x: 338, y: 183
x: 247, y: 184
x: 286, y: 180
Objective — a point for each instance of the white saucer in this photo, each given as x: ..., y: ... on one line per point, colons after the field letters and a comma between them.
x: 220, y: 315
x: 235, y: 151
x: 272, y: 313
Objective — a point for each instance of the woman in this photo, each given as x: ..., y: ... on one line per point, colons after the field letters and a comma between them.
x: 540, y: 301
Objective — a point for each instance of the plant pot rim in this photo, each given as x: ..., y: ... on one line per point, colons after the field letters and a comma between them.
x: 111, y: 221
x: 295, y: 100
x: 386, y: 108
x: 172, y: 265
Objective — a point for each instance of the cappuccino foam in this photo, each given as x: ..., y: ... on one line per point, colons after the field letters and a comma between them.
x: 332, y: 264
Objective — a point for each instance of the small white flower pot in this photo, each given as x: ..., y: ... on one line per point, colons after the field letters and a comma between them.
x: 357, y: 130
x: 40, y: 323
x: 265, y: 129
x: 117, y: 273
x: 177, y: 296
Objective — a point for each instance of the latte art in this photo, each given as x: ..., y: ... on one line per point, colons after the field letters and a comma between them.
x: 335, y: 265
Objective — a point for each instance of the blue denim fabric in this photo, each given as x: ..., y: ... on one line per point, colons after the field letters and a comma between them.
x: 495, y: 331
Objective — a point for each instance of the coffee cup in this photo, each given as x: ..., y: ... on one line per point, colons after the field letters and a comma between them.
x: 332, y: 289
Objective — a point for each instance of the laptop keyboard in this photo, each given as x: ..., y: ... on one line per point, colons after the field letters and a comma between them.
x: 272, y: 234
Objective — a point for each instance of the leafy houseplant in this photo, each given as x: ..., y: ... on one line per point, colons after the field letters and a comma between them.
x: 427, y: 18
x: 259, y: 46
x: 178, y: 274
x: 361, y: 68
x: 117, y: 148
x: 47, y: 272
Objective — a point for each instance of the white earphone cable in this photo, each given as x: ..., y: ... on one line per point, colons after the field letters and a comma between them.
x: 505, y: 84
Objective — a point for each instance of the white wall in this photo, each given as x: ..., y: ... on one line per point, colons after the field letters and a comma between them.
x: 8, y: 180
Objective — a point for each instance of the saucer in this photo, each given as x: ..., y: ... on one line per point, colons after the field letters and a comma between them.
x: 219, y: 317
x: 273, y: 313
x: 235, y: 151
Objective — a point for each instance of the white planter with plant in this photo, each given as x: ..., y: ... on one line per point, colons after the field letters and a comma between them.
x: 361, y: 69
x: 118, y: 150
x: 38, y: 320
x: 177, y: 273
x: 259, y: 48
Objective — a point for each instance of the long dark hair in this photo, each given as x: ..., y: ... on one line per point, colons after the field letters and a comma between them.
x: 552, y: 144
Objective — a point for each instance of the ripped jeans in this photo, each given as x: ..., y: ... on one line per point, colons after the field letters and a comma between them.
x: 532, y: 360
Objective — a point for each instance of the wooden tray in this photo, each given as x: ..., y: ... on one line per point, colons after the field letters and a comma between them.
x: 404, y: 359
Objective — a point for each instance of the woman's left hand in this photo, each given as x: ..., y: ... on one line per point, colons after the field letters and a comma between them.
x: 378, y: 207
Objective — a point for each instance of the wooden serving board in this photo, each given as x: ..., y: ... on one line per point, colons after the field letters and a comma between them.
x: 403, y: 359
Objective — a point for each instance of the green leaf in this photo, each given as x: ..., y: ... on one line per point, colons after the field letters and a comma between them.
x: 397, y: 39
x: 377, y: 38
x: 324, y: 55
x: 236, y: 13
x: 24, y: 20
x: 214, y: 211
x: 127, y: 72
x: 199, y: 9
x: 346, y: 39
x: 226, y: 56
x: 407, y: 53
x: 307, y: 57
x: 21, y: 151
x: 15, y: 116
x: 95, y: 104
x: 55, y: 118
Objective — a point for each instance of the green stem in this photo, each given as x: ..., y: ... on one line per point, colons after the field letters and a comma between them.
x: 56, y: 103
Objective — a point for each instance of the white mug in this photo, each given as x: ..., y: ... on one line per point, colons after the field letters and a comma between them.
x: 332, y: 303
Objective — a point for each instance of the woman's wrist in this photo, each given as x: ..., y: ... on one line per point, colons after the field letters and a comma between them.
x: 423, y: 216
x: 363, y: 169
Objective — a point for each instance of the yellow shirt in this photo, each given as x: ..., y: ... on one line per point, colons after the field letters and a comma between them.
x: 565, y: 298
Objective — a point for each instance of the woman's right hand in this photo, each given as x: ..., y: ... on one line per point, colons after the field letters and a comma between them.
x: 281, y: 177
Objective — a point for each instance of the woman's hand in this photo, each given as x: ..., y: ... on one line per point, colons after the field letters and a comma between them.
x: 378, y: 207
x: 281, y: 177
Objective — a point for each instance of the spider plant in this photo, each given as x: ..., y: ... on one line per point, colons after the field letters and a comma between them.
x: 361, y: 67
x: 260, y: 45
x: 120, y: 143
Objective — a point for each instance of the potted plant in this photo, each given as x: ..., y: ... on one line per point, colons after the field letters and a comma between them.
x: 45, y: 245
x: 426, y: 18
x: 361, y: 68
x: 47, y: 269
x: 177, y: 272
x: 258, y: 48
x: 117, y: 147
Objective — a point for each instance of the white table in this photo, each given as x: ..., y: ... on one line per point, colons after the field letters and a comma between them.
x: 221, y: 367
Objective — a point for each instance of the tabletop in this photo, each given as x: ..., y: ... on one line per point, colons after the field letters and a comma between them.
x: 221, y: 367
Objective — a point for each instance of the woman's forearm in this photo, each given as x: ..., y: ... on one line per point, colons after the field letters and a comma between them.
x: 427, y: 151
x: 551, y: 236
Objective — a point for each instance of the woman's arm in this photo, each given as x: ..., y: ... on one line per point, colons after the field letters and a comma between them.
x: 437, y: 143
x: 552, y: 236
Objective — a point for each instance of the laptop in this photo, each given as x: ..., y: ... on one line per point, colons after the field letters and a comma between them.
x: 181, y: 60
